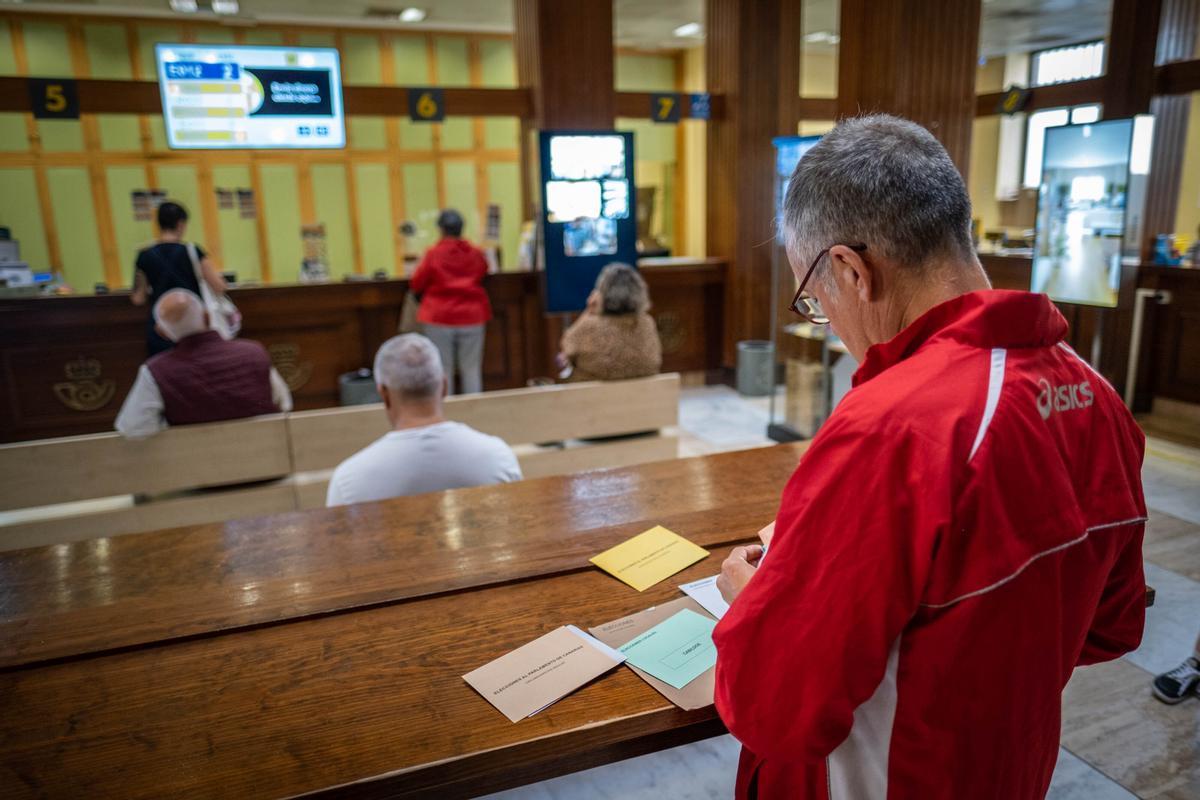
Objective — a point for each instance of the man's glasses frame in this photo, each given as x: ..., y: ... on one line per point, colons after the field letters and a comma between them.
x: 806, y: 306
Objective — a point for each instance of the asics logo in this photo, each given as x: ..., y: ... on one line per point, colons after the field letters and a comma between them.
x: 1063, y: 398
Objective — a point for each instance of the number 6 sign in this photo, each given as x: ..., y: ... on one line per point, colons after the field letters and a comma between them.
x: 426, y: 105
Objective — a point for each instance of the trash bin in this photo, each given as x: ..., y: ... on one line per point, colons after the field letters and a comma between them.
x: 358, y: 388
x: 755, y: 367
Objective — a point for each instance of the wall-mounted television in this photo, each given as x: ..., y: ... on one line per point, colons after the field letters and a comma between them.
x: 218, y: 97
x: 1090, y: 206
x: 588, y: 211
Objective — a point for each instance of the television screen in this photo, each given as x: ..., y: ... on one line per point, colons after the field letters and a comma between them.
x: 228, y: 96
x: 1088, y: 190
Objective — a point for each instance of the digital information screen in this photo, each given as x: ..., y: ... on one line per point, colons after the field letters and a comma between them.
x: 227, y: 96
x: 587, y: 196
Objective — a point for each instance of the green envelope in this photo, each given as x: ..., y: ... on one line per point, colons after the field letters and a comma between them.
x: 676, y: 651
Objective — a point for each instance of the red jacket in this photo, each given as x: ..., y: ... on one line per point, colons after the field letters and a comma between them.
x: 450, y: 282
x: 964, y: 531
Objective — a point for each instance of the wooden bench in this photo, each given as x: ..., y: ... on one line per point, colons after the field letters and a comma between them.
x: 85, y: 487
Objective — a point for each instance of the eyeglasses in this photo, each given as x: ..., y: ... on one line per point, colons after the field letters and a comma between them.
x: 805, y: 305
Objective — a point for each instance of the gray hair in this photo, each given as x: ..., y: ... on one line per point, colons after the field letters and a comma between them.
x: 409, y: 365
x: 622, y: 290
x: 180, y: 313
x: 884, y: 182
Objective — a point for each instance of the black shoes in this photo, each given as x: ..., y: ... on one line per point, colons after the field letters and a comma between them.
x: 1179, y: 684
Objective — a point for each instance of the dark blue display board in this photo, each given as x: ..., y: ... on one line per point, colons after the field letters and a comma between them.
x: 588, y: 217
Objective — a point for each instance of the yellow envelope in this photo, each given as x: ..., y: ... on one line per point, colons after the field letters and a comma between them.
x: 649, y: 557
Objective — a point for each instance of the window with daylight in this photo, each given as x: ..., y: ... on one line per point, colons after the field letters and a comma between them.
x: 1035, y: 136
x: 1062, y: 64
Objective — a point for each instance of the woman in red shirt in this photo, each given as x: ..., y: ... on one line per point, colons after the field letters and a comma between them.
x: 454, y: 306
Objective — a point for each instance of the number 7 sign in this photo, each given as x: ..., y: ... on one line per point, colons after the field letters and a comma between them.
x: 664, y: 108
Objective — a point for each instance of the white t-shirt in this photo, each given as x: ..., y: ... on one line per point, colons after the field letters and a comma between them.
x: 446, y: 455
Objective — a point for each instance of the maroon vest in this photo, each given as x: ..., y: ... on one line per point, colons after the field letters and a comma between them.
x: 207, y: 379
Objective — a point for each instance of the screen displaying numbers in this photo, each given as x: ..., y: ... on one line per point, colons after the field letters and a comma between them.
x: 226, y: 96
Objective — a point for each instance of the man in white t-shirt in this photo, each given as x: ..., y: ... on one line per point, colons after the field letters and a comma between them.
x: 423, y: 452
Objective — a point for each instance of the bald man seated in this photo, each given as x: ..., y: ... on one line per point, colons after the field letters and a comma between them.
x: 203, y: 378
x: 423, y: 451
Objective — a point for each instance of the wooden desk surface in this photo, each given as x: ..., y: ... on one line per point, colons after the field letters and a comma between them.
x: 354, y: 687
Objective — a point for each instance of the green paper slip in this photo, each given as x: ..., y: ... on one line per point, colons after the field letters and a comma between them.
x: 677, y: 650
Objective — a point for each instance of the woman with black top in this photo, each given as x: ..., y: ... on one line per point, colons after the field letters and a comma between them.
x: 166, y: 265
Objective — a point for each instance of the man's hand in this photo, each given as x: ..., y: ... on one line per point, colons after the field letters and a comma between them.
x: 738, y: 569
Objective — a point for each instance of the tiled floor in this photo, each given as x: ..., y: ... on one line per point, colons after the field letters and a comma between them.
x: 1118, y: 741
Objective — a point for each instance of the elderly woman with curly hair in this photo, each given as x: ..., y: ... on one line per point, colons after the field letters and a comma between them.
x: 615, y: 338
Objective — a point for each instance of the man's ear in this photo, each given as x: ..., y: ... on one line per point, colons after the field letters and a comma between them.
x: 445, y: 386
x: 384, y: 395
x: 854, y: 273
x: 159, y: 329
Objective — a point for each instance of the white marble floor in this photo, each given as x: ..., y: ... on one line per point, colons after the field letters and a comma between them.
x: 715, y: 418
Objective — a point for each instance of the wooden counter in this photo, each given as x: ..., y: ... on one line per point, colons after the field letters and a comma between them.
x: 322, y: 652
x: 1170, y: 354
x: 68, y: 362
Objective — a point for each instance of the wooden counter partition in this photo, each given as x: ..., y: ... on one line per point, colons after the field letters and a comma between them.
x: 68, y: 362
x: 322, y: 652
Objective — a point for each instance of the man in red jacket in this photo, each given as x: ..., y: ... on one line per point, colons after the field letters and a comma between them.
x: 454, y: 306
x: 965, y: 529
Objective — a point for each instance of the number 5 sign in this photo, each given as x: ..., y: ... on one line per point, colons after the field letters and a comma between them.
x: 426, y: 105
x: 53, y: 98
x: 664, y: 107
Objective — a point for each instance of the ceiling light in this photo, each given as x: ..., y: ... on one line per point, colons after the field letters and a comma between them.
x: 225, y: 6
x: 690, y: 29
x: 184, y: 6
x: 412, y: 15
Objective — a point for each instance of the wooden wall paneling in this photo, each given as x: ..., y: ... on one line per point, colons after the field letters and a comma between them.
x: 914, y: 58
x: 751, y: 59
x: 1128, y: 81
x: 1178, y: 28
x: 1062, y: 94
x: 392, y: 134
x: 1178, y: 77
x: 550, y: 34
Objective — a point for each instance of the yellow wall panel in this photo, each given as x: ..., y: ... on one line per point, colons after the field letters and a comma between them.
x: 108, y: 51
x: 421, y: 204
x: 361, y: 62
x: 78, y: 239
x: 498, y: 63
x: 333, y: 211
x: 501, y: 133
x: 457, y: 134
x: 462, y: 195
x: 366, y: 133
x: 207, y: 34
x: 20, y: 213
x: 281, y: 195
x: 49, y: 54
x: 148, y: 36
x: 14, y: 136
x: 316, y: 39
x: 645, y: 73
x: 453, y: 68
x: 180, y: 183
x: 239, y: 237
x: 504, y: 189
x: 412, y: 64
x: 130, y: 234
x: 1187, y: 216
x: 8, y: 61
x: 262, y: 36
x: 375, y: 234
